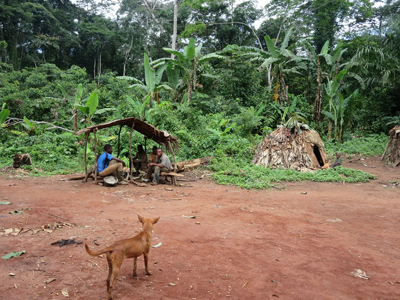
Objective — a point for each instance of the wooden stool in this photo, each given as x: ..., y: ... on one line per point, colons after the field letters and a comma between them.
x: 172, y: 175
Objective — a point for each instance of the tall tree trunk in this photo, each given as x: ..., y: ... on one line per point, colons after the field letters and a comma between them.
x: 94, y: 68
x: 194, y: 73
x: 330, y: 129
x: 99, y: 69
x: 153, y: 16
x: 336, y: 132
x: 147, y: 39
x: 189, y: 92
x: 283, y: 95
x: 127, y: 56
x: 175, y: 28
x: 318, y: 96
x: 75, y: 119
x: 269, y: 77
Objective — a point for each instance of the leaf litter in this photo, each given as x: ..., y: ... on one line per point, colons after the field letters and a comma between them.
x: 360, y: 274
x: 13, y: 254
x: 49, y: 228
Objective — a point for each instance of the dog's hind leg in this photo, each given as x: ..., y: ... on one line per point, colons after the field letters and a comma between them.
x: 116, y: 265
x: 146, y: 261
x: 110, y: 268
x: 134, y: 266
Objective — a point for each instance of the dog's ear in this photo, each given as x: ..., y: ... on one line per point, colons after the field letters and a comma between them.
x: 155, y: 220
x: 141, y: 219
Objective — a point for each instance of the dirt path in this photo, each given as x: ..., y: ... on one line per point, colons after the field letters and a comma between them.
x: 270, y: 244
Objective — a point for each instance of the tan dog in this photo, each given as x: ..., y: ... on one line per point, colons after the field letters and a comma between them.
x: 133, y: 247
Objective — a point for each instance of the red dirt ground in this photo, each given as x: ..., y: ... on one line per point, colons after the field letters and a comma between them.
x: 269, y: 244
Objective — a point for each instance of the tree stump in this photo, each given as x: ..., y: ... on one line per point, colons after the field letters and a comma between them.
x: 393, y: 146
x: 21, y: 159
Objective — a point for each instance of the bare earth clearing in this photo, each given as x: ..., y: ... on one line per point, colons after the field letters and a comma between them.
x: 269, y: 244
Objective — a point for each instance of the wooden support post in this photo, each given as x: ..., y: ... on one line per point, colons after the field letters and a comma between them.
x: 95, y: 153
x: 85, y: 158
x: 130, y: 153
x: 175, y: 166
x: 119, y: 138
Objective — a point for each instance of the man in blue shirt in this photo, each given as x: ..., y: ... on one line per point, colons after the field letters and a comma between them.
x: 108, y: 164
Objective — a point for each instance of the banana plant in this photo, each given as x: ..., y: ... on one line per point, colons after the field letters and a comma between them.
x: 279, y: 63
x: 332, y: 60
x: 29, y: 126
x: 75, y: 103
x: 290, y: 111
x: 152, y: 84
x: 186, y: 63
x: 4, y: 113
x: 89, y: 109
x: 332, y: 89
x: 140, y: 107
x: 338, y: 113
x: 219, y: 131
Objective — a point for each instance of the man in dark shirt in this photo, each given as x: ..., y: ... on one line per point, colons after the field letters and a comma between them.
x: 162, y: 164
x: 139, y: 159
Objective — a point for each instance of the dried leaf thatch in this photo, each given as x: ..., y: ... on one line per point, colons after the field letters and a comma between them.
x: 159, y: 136
x: 290, y: 148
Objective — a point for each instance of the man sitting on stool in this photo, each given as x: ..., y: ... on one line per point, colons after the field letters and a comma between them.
x: 162, y: 164
x: 108, y: 164
x: 139, y: 159
x: 153, y: 155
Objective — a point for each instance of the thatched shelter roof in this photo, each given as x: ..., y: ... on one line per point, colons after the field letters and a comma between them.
x: 297, y: 149
x: 159, y: 136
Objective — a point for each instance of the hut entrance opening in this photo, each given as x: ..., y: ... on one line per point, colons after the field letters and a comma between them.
x: 318, y: 155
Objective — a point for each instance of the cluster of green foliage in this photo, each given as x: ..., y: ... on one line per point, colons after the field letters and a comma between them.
x: 337, y: 72
x: 52, y: 153
x: 370, y: 145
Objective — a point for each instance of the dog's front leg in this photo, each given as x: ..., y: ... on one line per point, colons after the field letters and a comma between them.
x: 146, y: 260
x: 134, y: 267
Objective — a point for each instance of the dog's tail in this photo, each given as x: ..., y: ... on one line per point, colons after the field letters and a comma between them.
x: 92, y: 253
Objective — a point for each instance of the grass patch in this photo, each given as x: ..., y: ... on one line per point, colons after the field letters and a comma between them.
x: 229, y: 171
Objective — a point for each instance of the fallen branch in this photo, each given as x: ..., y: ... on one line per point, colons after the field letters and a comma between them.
x: 17, y: 121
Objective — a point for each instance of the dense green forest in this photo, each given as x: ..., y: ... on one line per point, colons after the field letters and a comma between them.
x: 218, y: 74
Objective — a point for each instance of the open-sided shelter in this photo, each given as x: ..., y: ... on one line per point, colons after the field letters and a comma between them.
x: 161, y: 137
x: 291, y: 148
x: 393, y: 146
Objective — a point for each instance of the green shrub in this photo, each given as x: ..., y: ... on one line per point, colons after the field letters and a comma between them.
x: 371, y: 145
